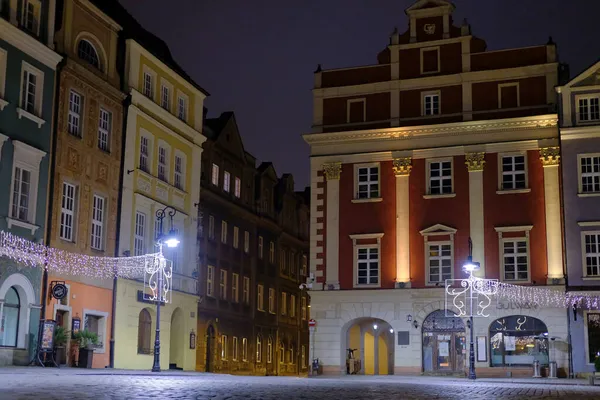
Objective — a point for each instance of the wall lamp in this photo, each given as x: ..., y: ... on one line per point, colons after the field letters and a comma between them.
x: 129, y: 171
x: 415, y: 323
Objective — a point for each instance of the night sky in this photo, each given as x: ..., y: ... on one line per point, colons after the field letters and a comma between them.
x: 257, y: 57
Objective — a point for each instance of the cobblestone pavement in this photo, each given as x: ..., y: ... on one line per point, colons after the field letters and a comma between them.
x: 60, y: 385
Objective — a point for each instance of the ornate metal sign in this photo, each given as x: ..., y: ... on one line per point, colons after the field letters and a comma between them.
x: 469, y: 297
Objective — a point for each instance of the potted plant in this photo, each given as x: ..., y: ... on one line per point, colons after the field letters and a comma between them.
x: 85, y: 340
x: 61, y: 335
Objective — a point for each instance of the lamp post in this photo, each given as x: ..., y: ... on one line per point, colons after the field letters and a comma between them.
x: 470, y: 267
x: 161, y: 287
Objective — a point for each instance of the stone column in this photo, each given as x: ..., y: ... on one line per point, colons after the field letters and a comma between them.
x: 550, y: 157
x: 332, y: 225
x: 475, y: 163
x: 402, y: 168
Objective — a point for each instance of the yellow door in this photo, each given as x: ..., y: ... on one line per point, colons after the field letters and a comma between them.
x: 369, y: 352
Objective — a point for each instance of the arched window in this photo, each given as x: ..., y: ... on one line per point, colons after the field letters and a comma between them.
x: 269, y: 350
x: 291, y: 360
x: 12, y: 308
x: 87, y: 52
x: 144, y: 332
x: 258, y: 349
x: 518, y: 340
x: 281, y: 352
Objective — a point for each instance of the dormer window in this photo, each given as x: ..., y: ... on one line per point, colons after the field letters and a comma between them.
x: 589, y: 109
x: 87, y: 52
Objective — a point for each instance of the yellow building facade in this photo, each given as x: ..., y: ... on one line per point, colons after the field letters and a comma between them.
x: 161, y: 168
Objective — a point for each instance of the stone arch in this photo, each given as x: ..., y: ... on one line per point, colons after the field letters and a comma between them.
x: 373, y: 338
x: 177, y: 342
x: 27, y: 297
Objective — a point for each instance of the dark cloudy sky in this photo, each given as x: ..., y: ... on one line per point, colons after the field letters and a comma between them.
x: 257, y: 57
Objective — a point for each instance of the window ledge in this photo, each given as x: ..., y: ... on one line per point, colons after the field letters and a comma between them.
x: 3, y: 103
x: 591, y: 278
x: 371, y: 200
x: 596, y: 194
x: 22, y: 113
x: 367, y: 286
x: 440, y: 285
x: 439, y: 196
x: 513, y: 191
x: 22, y: 224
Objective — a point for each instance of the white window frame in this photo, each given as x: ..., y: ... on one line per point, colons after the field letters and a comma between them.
x: 150, y: 147
x: 139, y: 241
x: 234, y: 355
x: 224, y: 232
x: 349, y: 102
x: 440, y: 178
x: 272, y: 252
x: 235, y: 287
x: 246, y: 242
x: 505, y: 85
x: 211, y: 227
x: 357, y: 184
x: 37, y: 5
x: 370, y: 237
x: 260, y: 247
x: 164, y: 166
x: 75, y: 117
x: 66, y: 212
x: 244, y: 349
x: 236, y: 237
x: 260, y: 297
x: 39, y: 94
x: 272, y: 301
x: 28, y: 158
x: 179, y: 177
x: 269, y: 350
x: 283, y: 304
x: 592, y: 174
x: 501, y: 173
x: 437, y: 230
x: 226, y: 181
x: 292, y: 306
x: 214, y: 175
x: 246, y: 290
x: 525, y: 229
x: 587, y: 97
x: 102, y: 324
x: 104, y: 129
x: 439, y: 243
x: 237, y: 188
x: 210, y: 280
x: 165, y: 85
x: 17, y: 194
x: 182, y: 112
x: 423, y: 50
x: 586, y: 336
x: 224, y: 347
x: 258, y: 348
x: 148, y: 73
x: 98, y: 222
x: 303, y: 308
x: 222, y: 284
x: 584, y: 254
x: 431, y: 94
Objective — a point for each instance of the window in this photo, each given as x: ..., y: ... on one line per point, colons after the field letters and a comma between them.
x: 223, y: 285
x: 303, y: 357
x: 10, y: 318
x: 589, y: 109
x: 246, y: 242
x: 244, y: 349
x: 21, y: 194
x: 67, y: 212
x: 283, y: 304
x: 210, y: 278
x: 234, y: 355
x: 272, y: 252
x: 591, y: 243
x: 96, y: 324
x: 31, y: 16
x: 592, y: 323
x: 148, y: 85
x: 246, y: 290
x: 367, y: 182
x: 179, y: 168
x: 508, y: 95
x: 104, y: 130
x: 269, y: 350
x: 589, y: 167
x: 226, y: 181
x: 281, y: 352
x: 237, y: 190
x: 211, y: 227
x: 182, y: 108
x: 303, y: 308
x: 291, y: 351
x: 304, y: 266
x: 87, y: 52
x: 224, y: 232
x: 260, y: 298
x: 515, y: 260
x: 235, y: 290
x: 144, y: 154
x: 144, y: 332
x: 74, y: 124
x: 236, y: 237
x: 282, y: 261
x: 518, y: 340
x: 260, y: 247
x: 165, y: 97
x: 30, y: 98
x: 224, y: 347
x: 272, y: 300
x: 368, y: 265
x: 139, y: 243
x: 431, y: 104
x: 293, y: 264
x: 356, y: 111
x: 430, y: 60
x: 163, y: 171
x: 439, y: 262
x: 513, y: 172
x: 258, y: 349
x: 292, y: 306
x: 98, y: 212
x: 215, y: 175
x: 440, y: 177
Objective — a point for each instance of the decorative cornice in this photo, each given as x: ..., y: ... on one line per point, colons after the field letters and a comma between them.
x: 550, y: 156
x: 475, y: 161
x: 402, y: 166
x: 28, y: 44
x: 332, y: 170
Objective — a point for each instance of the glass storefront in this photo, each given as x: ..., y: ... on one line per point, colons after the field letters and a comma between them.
x: 9, y: 324
x: 444, y: 344
x: 518, y: 340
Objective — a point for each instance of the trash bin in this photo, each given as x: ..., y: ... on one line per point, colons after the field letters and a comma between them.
x: 537, y: 371
x: 552, y: 371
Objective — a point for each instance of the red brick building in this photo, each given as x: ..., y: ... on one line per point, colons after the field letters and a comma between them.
x: 439, y: 141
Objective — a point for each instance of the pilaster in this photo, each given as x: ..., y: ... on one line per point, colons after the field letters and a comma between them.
x: 332, y: 225
x: 402, y: 168
x: 475, y: 163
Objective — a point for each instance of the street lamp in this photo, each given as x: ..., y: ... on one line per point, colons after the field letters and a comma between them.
x: 470, y: 267
x: 164, y: 274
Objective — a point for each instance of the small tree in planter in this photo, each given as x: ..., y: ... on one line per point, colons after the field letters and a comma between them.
x: 61, y: 335
x: 86, y: 339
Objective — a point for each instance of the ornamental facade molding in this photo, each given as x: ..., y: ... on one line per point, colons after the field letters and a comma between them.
x: 332, y: 170
x: 550, y: 156
x: 475, y: 161
x: 402, y: 166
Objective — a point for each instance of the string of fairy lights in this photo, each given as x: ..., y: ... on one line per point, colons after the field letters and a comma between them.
x: 61, y: 262
x: 544, y: 297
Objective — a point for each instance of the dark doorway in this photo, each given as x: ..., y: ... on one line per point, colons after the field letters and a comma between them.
x: 210, y: 348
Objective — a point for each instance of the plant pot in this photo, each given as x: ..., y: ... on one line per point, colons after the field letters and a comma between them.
x: 86, y: 356
x: 60, y: 355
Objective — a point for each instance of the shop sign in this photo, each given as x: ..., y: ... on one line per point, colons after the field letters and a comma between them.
x: 516, y: 305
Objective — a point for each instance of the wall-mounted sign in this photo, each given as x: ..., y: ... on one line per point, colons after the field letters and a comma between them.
x: 59, y: 291
x: 75, y: 326
x: 429, y: 29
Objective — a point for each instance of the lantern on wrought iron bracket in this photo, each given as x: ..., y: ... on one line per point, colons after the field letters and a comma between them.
x: 192, y: 340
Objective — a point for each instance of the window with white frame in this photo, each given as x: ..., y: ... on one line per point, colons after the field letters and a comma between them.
x: 67, y: 211
x: 246, y: 290
x: 269, y: 350
x: 591, y: 243
x: 31, y: 13
x: 367, y: 181
x: 21, y: 194
x: 179, y: 172
x: 165, y: 97
x: 211, y: 227
x: 272, y: 252
x: 589, y: 109
x: 104, y: 130
x: 292, y: 350
x: 258, y: 349
x: 224, y: 232
x: 246, y: 242
x: 281, y: 352
x: 272, y: 300
x: 260, y: 247
x: 515, y: 259
x: 431, y: 104
x: 292, y: 306
x: 439, y: 262
x: 235, y: 289
x: 87, y: 52
x: 98, y: 215
x: 237, y: 189
x: 223, y: 284
x: 236, y: 237
x: 260, y: 298
x: 283, y: 304
x: 244, y: 349
x: 589, y: 172
x: 215, y: 175
x: 304, y: 267
x: 440, y: 177
x: 367, y: 265
x: 144, y: 153
x: 75, y: 107
x: 223, y: 347
x: 32, y: 85
x: 148, y: 85
x: 163, y: 164
x: 513, y: 172
x: 234, y: 354
x: 182, y: 108
x: 210, y: 279
x: 139, y: 241
x: 303, y: 308
x: 95, y: 322
x: 226, y: 181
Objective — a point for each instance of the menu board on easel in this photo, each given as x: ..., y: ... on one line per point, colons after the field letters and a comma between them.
x: 47, y: 338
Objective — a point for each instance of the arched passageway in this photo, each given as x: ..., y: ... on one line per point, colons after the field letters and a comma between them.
x: 444, y: 344
x: 368, y: 347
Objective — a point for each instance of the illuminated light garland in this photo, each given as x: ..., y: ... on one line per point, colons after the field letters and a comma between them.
x: 544, y: 297
x: 62, y: 262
